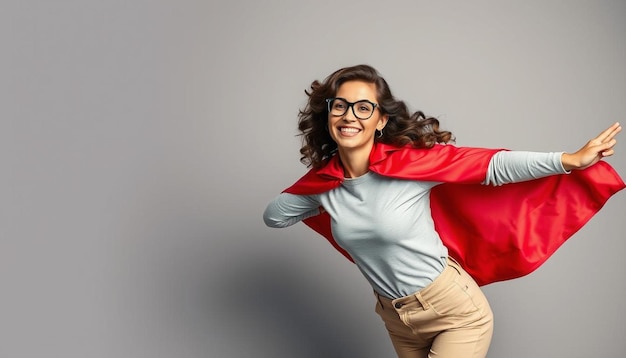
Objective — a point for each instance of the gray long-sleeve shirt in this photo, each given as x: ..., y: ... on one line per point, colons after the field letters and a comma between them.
x: 386, y: 226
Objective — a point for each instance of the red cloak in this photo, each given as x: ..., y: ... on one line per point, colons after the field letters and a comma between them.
x: 495, y: 233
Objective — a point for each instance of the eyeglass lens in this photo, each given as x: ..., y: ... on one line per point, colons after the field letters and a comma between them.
x: 360, y: 109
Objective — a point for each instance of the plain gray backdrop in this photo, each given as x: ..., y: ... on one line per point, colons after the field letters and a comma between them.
x: 141, y: 140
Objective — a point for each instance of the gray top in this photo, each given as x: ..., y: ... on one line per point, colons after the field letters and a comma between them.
x: 386, y: 226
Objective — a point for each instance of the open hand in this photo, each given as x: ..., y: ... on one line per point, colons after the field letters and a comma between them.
x: 592, y: 152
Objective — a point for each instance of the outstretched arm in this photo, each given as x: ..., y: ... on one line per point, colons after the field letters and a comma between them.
x: 288, y: 209
x: 592, y: 152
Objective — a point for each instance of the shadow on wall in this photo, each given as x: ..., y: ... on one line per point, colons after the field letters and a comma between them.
x: 267, y: 304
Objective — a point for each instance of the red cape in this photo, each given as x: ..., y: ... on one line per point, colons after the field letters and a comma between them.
x: 496, y: 233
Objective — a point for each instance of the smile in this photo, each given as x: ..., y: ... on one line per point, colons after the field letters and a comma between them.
x: 349, y: 130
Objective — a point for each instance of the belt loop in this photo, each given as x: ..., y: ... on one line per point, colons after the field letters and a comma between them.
x: 422, y: 301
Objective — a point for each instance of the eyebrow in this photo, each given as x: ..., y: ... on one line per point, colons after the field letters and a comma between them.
x: 357, y: 101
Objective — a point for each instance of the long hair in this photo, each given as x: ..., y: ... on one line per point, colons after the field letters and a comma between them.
x: 402, y: 128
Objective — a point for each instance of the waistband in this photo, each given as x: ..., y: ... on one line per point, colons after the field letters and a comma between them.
x: 420, y: 298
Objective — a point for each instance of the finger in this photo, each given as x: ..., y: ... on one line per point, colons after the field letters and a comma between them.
x: 608, y: 153
x: 609, y: 133
x: 606, y: 146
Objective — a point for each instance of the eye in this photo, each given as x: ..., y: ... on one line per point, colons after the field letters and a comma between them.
x: 338, y: 104
x: 364, y: 107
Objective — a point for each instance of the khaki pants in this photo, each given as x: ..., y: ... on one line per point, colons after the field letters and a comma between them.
x: 450, y: 318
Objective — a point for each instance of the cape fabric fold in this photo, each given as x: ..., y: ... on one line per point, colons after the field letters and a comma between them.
x: 495, y: 233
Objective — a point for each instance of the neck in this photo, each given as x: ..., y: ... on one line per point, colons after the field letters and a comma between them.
x: 355, y: 162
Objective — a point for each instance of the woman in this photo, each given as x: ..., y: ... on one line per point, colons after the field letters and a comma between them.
x: 393, y: 198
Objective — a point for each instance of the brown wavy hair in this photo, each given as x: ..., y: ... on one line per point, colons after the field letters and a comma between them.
x: 402, y: 128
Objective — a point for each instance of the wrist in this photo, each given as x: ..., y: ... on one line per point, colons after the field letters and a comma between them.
x: 569, y: 162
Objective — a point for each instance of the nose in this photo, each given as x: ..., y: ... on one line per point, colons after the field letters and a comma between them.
x: 349, y: 115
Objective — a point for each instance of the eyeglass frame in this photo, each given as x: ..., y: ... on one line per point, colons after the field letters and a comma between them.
x: 351, y: 105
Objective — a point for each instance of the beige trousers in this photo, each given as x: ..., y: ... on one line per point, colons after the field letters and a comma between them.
x: 450, y: 318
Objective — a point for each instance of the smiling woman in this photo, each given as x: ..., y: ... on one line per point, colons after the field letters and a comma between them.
x: 384, y: 191
x: 404, y: 129
x: 354, y: 134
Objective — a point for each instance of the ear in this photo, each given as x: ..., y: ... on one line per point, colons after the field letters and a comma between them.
x: 382, y: 122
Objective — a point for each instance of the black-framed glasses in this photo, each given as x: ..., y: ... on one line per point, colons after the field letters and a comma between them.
x: 362, y: 109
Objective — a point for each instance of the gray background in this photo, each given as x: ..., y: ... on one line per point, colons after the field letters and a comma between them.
x: 140, y: 141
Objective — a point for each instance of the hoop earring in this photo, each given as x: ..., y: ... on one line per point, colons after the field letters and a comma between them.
x: 381, y: 134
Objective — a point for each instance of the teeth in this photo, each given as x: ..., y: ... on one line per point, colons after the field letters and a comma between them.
x: 349, y: 130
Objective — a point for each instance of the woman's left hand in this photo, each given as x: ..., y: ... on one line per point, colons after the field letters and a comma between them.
x: 592, y: 152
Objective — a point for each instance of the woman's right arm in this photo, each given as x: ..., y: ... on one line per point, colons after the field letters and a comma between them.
x: 288, y: 209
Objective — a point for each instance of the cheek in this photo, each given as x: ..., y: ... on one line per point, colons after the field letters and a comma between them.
x: 329, y: 128
x: 331, y: 122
